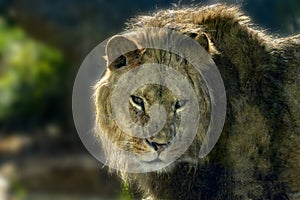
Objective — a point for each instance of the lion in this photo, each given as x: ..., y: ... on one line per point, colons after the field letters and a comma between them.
x: 258, y: 153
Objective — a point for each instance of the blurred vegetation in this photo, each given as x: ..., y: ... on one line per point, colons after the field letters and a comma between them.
x: 125, y: 192
x: 31, y: 79
x: 277, y: 16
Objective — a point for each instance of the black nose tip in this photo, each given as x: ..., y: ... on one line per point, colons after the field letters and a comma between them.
x: 155, y: 145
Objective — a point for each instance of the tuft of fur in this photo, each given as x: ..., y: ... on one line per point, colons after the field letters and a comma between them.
x: 258, y: 153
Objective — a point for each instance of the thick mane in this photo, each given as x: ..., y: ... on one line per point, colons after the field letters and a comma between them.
x: 258, y: 153
x: 190, y: 15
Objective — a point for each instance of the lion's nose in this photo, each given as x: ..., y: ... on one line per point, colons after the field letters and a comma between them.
x: 155, y: 145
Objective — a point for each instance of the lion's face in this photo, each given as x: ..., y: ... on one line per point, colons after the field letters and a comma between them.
x: 140, y: 103
x: 155, y: 148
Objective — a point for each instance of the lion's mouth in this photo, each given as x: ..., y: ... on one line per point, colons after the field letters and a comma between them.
x: 157, y: 160
x: 150, y: 158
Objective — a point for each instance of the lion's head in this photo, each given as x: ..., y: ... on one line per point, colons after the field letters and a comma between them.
x: 154, y: 149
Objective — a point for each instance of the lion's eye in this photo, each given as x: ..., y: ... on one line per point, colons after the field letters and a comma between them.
x: 137, y: 102
x: 179, y: 105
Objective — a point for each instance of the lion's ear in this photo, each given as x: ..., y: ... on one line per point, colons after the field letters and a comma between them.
x: 202, y: 39
x: 116, y: 49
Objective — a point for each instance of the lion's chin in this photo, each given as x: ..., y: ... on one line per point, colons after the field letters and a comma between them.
x: 155, y: 161
x: 157, y: 166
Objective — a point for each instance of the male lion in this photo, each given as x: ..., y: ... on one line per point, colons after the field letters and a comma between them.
x: 258, y: 153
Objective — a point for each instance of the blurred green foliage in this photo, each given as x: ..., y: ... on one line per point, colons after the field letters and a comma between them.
x: 18, y: 190
x: 31, y: 75
x: 125, y: 192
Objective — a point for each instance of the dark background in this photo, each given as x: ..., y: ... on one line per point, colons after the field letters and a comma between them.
x: 42, y: 44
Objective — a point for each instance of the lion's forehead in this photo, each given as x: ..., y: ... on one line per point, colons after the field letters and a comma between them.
x: 154, y: 93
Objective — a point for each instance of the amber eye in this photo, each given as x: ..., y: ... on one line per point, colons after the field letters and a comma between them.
x: 137, y: 102
x: 179, y: 104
